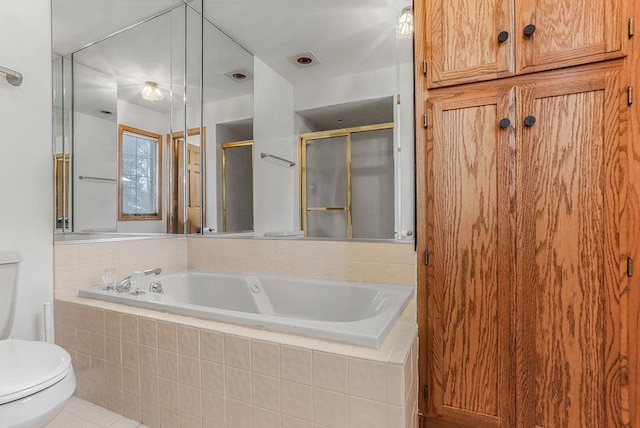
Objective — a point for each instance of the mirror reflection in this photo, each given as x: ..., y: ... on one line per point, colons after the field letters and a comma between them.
x: 290, y: 126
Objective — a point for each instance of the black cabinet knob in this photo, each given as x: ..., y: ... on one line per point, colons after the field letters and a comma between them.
x: 503, y: 36
x: 529, y: 30
x: 529, y: 120
x: 505, y: 123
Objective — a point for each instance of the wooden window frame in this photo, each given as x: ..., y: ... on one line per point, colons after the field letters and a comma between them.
x: 158, y: 183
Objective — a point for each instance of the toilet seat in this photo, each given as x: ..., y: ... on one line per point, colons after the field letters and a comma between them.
x: 28, y: 367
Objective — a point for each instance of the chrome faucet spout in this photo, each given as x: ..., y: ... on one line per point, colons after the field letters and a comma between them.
x: 154, y: 271
x: 125, y: 284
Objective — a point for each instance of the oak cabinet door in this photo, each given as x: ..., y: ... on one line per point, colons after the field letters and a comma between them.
x: 471, y: 41
x: 463, y: 40
x: 469, y: 277
x: 559, y: 33
x: 570, y: 277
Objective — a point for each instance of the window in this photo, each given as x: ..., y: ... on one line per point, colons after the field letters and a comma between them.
x: 140, y: 174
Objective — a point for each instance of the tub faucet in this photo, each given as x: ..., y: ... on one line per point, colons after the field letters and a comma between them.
x: 125, y: 284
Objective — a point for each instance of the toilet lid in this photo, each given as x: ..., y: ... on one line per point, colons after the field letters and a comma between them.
x: 27, y: 367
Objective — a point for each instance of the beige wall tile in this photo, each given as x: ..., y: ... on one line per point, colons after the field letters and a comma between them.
x: 147, y: 332
x: 237, y: 384
x: 129, y: 328
x: 368, y: 379
x: 149, y: 387
x: 169, y: 418
x: 167, y: 336
x: 330, y: 408
x: 367, y: 414
x: 112, y: 324
x: 97, y: 345
x: 263, y: 418
x: 330, y: 371
x: 296, y: 364
x: 265, y: 358
x: 132, y: 407
x: 237, y: 352
x: 148, y: 360
x: 189, y: 371
x: 114, y: 375
x: 99, y: 394
x: 98, y: 370
x: 213, y: 408
x: 169, y: 394
x: 168, y: 365
x: 113, y: 350
x: 212, y: 346
x: 188, y: 421
x: 190, y: 401
x: 83, y: 341
x: 291, y: 422
x: 150, y: 413
x: 189, y: 341
x: 65, y: 255
x: 297, y: 400
x: 130, y: 358
x: 238, y: 413
x: 115, y: 400
x: 212, y: 377
x: 265, y: 392
x: 130, y: 381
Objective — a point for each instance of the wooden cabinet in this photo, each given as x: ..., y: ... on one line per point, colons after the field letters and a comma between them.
x: 520, y: 210
x: 470, y: 41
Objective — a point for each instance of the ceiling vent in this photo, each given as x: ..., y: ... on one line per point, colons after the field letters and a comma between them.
x: 305, y: 59
x: 239, y: 75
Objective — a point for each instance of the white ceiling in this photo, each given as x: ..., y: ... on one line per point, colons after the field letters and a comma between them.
x: 347, y: 36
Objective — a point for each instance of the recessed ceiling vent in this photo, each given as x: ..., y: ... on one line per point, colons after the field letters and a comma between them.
x: 305, y: 59
x: 239, y: 75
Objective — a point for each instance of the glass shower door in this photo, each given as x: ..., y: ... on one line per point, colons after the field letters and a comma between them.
x: 325, y: 192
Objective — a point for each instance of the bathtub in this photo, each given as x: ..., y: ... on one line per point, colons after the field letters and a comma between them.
x: 353, y: 312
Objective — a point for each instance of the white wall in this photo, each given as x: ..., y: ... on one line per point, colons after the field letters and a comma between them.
x: 273, y: 132
x: 26, y: 168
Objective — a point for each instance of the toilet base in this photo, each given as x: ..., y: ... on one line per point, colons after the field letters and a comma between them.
x: 37, y: 410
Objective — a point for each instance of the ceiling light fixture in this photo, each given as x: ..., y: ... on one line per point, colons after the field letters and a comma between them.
x: 305, y: 59
x: 405, y: 24
x: 239, y: 75
x: 151, y: 92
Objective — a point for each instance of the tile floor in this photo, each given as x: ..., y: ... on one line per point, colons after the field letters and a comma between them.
x: 82, y: 414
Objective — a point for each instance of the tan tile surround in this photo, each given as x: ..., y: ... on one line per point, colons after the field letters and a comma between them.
x: 168, y: 370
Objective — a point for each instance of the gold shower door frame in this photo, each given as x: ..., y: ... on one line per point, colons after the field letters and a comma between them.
x: 344, y: 132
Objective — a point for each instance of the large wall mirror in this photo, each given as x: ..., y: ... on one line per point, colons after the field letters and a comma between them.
x: 226, y: 116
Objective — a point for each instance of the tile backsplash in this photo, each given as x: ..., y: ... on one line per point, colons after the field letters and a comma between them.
x: 81, y: 265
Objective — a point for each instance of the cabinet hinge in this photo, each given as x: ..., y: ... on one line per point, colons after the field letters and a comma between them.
x: 424, y: 67
x: 630, y: 28
x: 629, y: 95
x: 426, y: 121
x: 629, y: 267
x: 398, y: 99
x: 426, y: 258
x: 425, y: 392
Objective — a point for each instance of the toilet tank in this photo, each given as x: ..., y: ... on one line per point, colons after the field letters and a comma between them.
x: 8, y: 290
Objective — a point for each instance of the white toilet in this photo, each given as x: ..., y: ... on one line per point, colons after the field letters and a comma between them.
x: 36, y: 378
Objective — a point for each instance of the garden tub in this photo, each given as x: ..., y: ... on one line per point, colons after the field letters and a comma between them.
x: 353, y: 312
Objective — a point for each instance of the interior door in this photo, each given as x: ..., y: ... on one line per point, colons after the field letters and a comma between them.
x: 571, y: 304
x: 191, y: 187
x: 468, y: 293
